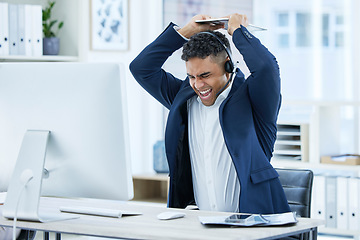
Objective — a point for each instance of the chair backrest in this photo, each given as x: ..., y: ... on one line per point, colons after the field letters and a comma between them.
x: 297, y: 184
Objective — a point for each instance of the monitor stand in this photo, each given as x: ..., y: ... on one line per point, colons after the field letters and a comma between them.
x: 23, y: 195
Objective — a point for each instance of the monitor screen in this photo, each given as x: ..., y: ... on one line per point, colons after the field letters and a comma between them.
x: 84, y: 107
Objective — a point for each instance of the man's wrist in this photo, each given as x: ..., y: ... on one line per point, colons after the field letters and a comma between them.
x: 233, y: 29
x: 177, y: 28
x: 186, y: 32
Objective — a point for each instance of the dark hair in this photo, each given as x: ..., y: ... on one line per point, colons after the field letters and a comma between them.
x: 202, y: 45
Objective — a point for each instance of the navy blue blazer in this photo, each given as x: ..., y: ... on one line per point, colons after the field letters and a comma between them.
x: 247, y: 117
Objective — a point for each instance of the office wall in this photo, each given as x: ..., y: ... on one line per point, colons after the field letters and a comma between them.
x: 145, y: 114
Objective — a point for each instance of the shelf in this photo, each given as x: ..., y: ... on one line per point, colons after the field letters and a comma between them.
x: 152, y: 176
x: 288, y: 152
x: 151, y: 187
x: 38, y: 59
x: 292, y: 142
x: 73, y: 15
x: 286, y: 158
x: 322, y: 103
x: 319, y: 168
x: 335, y: 231
x: 288, y: 142
x: 288, y: 133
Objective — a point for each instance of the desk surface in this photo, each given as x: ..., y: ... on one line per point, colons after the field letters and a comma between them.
x: 147, y: 226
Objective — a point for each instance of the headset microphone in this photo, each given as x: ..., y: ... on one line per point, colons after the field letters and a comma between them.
x: 227, y: 83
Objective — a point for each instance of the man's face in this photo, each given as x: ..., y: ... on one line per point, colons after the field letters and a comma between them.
x: 207, y: 78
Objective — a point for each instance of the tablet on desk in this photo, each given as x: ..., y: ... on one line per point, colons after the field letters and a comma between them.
x: 217, y: 21
x: 247, y: 220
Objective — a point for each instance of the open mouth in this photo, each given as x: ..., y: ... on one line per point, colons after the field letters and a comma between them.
x: 206, y: 93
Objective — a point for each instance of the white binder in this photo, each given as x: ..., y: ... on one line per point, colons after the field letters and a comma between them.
x: 21, y: 29
x: 28, y: 30
x: 342, y: 203
x: 13, y: 29
x: 4, y: 16
x: 37, y: 43
x: 331, y: 202
x: 318, y: 197
x: 1, y: 30
x: 354, y: 208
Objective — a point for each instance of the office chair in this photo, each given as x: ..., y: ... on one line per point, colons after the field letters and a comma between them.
x: 297, y: 184
x: 26, y: 235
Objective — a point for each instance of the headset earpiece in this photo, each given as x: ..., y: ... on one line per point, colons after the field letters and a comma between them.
x: 229, y: 66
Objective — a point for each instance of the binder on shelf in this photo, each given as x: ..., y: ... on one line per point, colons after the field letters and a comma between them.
x: 342, y: 203
x: 4, y: 31
x: 37, y: 42
x: 318, y: 197
x: 354, y: 208
x: 13, y: 29
x: 21, y: 29
x: 331, y: 204
x: 28, y: 30
x: 1, y: 30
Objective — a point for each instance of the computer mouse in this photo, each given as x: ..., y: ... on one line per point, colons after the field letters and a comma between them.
x: 170, y: 215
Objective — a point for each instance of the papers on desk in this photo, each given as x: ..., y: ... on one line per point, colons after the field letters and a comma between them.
x: 248, y: 220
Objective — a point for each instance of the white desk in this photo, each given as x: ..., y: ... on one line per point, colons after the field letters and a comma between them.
x: 147, y: 226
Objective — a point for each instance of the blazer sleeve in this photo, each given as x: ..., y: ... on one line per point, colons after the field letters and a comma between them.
x: 147, y: 66
x: 264, y: 80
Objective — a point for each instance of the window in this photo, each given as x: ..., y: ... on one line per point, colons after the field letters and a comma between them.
x: 303, y: 29
x: 283, y: 24
x: 298, y: 33
x: 284, y: 41
x: 325, y: 30
x: 339, y: 31
x: 339, y: 39
x: 314, y: 43
x: 283, y: 20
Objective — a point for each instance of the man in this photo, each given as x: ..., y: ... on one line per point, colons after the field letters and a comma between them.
x: 221, y: 128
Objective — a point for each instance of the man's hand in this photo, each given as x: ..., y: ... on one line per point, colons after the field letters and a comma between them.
x: 235, y: 21
x: 192, y: 27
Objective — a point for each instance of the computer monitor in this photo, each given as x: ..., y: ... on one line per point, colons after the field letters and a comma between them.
x: 83, y: 108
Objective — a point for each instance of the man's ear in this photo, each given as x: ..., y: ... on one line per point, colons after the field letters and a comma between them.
x: 228, y: 75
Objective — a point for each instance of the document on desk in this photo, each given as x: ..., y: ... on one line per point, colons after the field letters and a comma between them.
x: 248, y: 220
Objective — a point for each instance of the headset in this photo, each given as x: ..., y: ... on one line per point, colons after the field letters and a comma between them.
x: 229, y: 64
